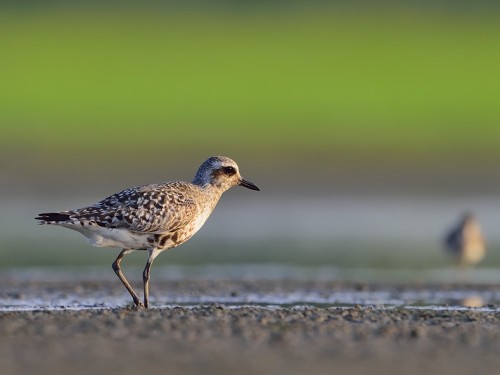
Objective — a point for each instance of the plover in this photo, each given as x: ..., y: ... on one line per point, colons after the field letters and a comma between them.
x: 153, y: 217
x: 465, y: 241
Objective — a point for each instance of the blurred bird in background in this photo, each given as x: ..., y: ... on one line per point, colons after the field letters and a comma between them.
x: 465, y: 242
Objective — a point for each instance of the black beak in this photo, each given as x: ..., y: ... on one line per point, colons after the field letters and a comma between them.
x: 249, y: 185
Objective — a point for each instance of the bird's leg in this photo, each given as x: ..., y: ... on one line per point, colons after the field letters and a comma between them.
x: 146, y: 274
x: 118, y: 271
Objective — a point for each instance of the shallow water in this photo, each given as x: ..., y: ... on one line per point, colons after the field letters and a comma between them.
x: 450, y: 300
x: 59, y: 289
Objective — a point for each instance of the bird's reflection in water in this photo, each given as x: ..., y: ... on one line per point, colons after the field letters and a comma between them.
x: 472, y: 300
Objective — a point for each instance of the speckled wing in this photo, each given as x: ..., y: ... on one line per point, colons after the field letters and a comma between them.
x: 157, y: 208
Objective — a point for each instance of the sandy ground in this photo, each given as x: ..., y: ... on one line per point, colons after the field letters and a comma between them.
x: 222, y: 339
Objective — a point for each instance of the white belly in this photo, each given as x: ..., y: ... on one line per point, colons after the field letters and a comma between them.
x: 109, y: 237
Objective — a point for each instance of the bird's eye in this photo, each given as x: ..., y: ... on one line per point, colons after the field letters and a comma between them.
x: 229, y: 170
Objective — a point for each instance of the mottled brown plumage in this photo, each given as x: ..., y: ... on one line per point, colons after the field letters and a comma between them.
x: 152, y: 217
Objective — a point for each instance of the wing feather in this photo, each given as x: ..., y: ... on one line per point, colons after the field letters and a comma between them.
x: 154, y: 208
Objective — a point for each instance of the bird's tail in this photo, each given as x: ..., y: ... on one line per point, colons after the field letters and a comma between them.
x: 53, y: 217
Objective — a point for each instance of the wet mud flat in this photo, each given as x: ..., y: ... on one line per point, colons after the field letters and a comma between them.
x: 214, y: 338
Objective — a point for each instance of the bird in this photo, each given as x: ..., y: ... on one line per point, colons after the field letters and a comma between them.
x: 465, y: 241
x: 153, y: 217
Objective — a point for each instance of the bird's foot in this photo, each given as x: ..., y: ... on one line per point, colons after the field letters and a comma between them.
x: 138, y: 304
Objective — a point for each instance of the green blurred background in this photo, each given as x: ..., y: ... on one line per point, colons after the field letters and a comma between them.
x: 369, y: 128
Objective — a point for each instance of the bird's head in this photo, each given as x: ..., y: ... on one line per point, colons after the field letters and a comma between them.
x: 221, y: 172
